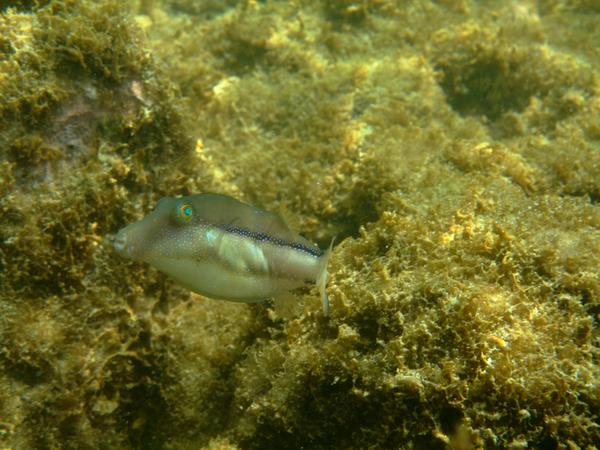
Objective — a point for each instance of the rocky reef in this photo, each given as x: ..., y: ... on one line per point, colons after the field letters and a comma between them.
x: 453, y: 147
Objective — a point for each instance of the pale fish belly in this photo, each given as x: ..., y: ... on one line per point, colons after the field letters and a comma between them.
x: 235, y: 266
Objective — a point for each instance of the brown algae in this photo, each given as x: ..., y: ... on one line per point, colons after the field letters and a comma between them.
x: 453, y: 147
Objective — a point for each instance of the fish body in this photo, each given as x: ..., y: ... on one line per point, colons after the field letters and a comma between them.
x: 222, y: 248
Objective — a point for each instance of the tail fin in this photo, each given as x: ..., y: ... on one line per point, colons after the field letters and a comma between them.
x: 322, y: 279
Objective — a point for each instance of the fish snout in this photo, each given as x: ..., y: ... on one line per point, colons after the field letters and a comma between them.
x: 120, y: 244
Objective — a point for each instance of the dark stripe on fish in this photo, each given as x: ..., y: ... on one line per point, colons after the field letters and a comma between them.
x: 259, y: 236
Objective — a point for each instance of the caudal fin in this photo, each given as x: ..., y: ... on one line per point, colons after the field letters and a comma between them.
x: 322, y: 279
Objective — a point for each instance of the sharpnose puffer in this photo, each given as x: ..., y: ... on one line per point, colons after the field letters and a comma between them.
x: 222, y: 248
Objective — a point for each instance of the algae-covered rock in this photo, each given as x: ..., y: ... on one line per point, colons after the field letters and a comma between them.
x: 452, y: 148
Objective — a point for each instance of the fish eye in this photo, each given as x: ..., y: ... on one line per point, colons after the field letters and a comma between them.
x: 184, y: 213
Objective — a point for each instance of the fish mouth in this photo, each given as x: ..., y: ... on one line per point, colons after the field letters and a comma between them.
x: 119, y: 243
x: 128, y: 244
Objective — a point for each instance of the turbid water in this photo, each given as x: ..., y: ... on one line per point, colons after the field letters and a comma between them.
x: 451, y: 147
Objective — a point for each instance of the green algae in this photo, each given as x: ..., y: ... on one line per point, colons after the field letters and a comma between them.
x: 454, y: 149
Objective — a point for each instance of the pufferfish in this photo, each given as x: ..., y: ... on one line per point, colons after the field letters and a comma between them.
x: 224, y: 249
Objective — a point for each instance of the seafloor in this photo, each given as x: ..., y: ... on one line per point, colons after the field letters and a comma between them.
x: 453, y: 147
